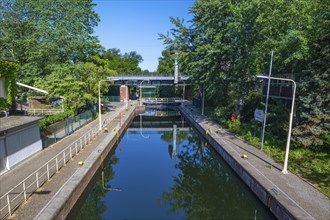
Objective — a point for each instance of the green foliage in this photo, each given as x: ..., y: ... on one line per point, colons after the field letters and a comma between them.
x: 43, y: 123
x: 313, y: 121
x: 42, y: 33
x: 8, y: 71
x: 127, y: 63
x: 165, y: 62
x: 77, y: 83
x: 229, y: 42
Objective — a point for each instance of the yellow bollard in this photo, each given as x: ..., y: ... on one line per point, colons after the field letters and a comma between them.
x: 244, y: 156
x: 80, y: 163
x: 105, y: 129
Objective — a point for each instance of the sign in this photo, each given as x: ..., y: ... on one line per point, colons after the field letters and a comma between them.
x: 2, y: 88
x: 259, y: 115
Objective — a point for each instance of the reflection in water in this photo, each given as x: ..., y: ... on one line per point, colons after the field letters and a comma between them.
x: 171, y: 175
x: 94, y: 205
x: 207, y: 189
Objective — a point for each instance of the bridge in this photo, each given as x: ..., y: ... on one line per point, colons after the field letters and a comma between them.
x: 148, y: 80
x: 162, y: 101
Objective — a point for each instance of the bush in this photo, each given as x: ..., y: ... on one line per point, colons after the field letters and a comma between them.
x: 43, y: 123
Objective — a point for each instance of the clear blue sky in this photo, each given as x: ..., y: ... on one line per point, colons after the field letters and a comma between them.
x: 134, y: 25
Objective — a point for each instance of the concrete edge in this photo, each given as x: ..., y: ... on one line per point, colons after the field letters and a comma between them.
x: 64, y: 200
x: 281, y: 206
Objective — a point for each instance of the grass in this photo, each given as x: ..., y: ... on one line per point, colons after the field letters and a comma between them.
x: 311, y: 164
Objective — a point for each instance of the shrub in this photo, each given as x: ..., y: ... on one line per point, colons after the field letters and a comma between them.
x: 43, y: 123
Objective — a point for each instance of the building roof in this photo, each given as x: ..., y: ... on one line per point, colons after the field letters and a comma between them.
x: 13, y: 122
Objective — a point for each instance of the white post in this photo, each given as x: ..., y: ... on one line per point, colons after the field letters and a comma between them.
x: 100, y: 120
x: 285, y: 168
x: 203, y: 96
x: 176, y: 69
x: 8, y: 201
x: 141, y: 92
x: 56, y: 161
x: 127, y: 96
x: 48, y: 176
x: 24, y: 190
x: 266, y: 107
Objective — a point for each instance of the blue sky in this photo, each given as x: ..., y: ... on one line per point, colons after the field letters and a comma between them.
x: 134, y: 25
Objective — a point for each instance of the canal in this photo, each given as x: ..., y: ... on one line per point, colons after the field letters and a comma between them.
x: 162, y: 169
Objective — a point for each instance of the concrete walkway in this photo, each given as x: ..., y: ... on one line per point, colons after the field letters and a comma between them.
x: 280, y: 192
x: 299, y: 198
x: 30, y: 208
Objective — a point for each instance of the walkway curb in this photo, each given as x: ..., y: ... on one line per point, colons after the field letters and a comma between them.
x: 286, y: 195
x: 64, y: 200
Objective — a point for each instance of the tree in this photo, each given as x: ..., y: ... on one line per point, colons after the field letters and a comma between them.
x: 229, y: 42
x: 77, y: 83
x: 165, y: 62
x: 123, y: 64
x: 42, y: 33
x: 8, y: 72
x: 313, y: 117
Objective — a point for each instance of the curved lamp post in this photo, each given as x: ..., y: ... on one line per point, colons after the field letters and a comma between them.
x: 100, y: 119
x: 141, y: 128
x: 141, y: 92
x: 285, y: 169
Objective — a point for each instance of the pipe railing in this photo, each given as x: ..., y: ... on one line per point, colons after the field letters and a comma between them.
x: 11, y: 200
x: 43, y: 111
x: 161, y: 100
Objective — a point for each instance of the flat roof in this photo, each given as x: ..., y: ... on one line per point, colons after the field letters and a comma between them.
x: 11, y: 122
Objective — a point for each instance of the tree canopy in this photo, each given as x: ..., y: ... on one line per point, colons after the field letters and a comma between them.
x: 38, y: 34
x: 228, y: 43
x: 54, y: 44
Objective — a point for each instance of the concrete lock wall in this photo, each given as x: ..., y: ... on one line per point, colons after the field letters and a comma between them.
x: 267, y: 197
x: 87, y: 174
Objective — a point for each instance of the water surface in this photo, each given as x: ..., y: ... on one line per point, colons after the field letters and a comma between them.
x: 168, y: 173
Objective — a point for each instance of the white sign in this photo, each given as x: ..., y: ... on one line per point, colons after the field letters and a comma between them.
x: 259, y: 115
x: 2, y: 88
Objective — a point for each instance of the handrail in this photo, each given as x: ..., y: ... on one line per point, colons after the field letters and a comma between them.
x: 162, y: 100
x: 36, y: 179
x: 44, y: 111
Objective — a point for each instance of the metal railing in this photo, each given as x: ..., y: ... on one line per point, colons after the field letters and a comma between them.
x: 162, y: 100
x: 11, y: 200
x: 43, y: 111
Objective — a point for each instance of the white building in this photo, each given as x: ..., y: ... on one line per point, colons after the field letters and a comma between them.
x: 19, y: 139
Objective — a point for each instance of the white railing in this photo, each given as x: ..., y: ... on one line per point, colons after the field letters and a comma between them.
x: 43, y: 111
x: 20, y: 193
x: 162, y: 100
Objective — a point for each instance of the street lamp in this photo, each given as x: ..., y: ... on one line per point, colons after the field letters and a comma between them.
x: 285, y: 171
x: 141, y: 128
x: 100, y: 120
x: 141, y: 92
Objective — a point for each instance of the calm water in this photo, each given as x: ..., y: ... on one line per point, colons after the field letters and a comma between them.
x: 154, y: 174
